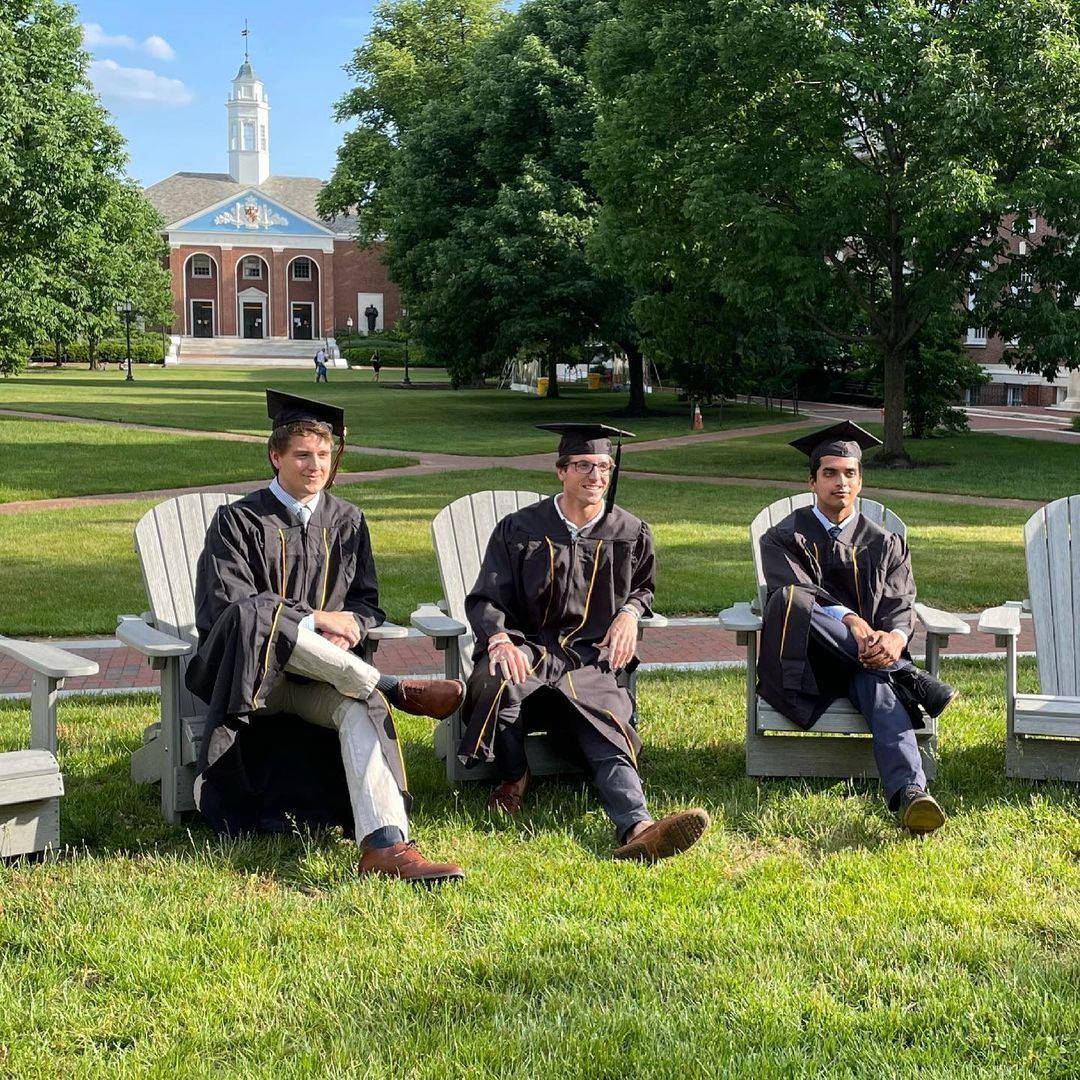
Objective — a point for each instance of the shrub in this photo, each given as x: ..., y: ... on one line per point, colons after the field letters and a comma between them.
x: 1076, y: 423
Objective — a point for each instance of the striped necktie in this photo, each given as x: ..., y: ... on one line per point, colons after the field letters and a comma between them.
x: 834, y: 532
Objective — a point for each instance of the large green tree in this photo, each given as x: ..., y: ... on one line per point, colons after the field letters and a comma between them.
x: 60, y: 159
x: 494, y: 208
x: 416, y: 53
x: 856, y: 166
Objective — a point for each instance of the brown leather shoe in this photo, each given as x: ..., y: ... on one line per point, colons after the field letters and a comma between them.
x: 509, y: 795
x: 436, y: 698
x: 405, y: 861
x: 666, y: 837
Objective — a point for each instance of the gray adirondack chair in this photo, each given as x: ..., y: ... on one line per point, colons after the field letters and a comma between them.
x: 839, y: 743
x: 168, y: 541
x: 1042, y: 731
x: 30, y: 780
x: 460, y: 534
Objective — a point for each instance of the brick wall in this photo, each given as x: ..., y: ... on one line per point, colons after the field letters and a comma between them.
x: 357, y: 270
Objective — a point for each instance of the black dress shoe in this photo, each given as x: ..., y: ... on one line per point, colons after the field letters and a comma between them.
x: 932, y: 694
x: 919, y: 811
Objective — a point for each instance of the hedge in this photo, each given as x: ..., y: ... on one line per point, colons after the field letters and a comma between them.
x: 391, y: 354
x: 145, y: 349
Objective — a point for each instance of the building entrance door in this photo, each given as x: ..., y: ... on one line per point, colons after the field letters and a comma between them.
x: 202, y: 318
x: 301, y: 321
x: 253, y: 321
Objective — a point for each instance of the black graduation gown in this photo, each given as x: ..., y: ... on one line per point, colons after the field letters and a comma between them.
x: 259, y: 574
x: 867, y: 570
x: 556, y: 597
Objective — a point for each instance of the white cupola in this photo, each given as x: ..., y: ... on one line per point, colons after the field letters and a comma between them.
x: 249, y: 128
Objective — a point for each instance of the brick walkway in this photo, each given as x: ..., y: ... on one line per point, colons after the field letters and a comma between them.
x: 688, y: 642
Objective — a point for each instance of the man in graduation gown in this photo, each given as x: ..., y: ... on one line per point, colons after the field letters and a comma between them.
x: 554, y: 612
x: 839, y: 614
x: 299, y: 729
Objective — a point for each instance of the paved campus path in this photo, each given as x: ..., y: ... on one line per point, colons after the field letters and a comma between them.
x: 687, y: 643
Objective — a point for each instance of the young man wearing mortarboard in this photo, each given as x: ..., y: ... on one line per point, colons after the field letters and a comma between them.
x: 299, y: 730
x: 839, y: 614
x: 554, y: 612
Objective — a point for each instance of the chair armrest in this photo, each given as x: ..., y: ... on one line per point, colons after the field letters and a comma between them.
x: 940, y: 622
x: 133, y: 632
x: 387, y: 630
x: 740, y: 618
x: 1000, y: 621
x: 431, y: 622
x: 654, y: 621
x: 47, y: 660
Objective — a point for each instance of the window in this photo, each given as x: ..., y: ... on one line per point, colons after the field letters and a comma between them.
x: 252, y: 266
x: 1031, y: 223
x: 262, y: 136
x: 247, y: 131
x: 301, y: 270
x: 976, y: 335
x: 200, y: 266
x: 234, y: 137
x: 1021, y: 248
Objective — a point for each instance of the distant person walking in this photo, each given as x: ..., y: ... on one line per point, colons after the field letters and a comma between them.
x: 376, y: 364
x: 320, y: 365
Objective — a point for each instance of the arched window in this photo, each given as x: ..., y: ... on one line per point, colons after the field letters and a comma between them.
x: 301, y: 270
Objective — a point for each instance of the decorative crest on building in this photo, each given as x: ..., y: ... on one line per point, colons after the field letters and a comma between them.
x: 250, y: 214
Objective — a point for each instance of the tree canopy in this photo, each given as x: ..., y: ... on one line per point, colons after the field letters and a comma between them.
x: 855, y: 167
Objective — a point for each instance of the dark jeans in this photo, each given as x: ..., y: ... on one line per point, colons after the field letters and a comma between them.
x: 611, y: 770
x: 873, y: 694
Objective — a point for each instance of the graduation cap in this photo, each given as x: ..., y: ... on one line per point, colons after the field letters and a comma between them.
x: 840, y: 440
x: 288, y: 408
x: 285, y: 409
x: 591, y: 438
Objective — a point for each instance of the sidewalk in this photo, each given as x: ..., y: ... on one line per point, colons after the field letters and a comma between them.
x: 687, y: 643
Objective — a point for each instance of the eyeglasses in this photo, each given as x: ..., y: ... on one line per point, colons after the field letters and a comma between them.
x: 583, y: 468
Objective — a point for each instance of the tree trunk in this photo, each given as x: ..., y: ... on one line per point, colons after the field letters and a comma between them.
x: 91, y: 351
x: 58, y: 360
x: 637, y: 406
x: 552, y: 375
x: 893, y: 452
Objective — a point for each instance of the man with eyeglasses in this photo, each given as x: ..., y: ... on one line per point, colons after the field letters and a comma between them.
x: 554, y: 613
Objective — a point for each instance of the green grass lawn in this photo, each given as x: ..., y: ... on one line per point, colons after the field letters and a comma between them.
x: 972, y: 464
x: 496, y: 422
x: 805, y: 936
x: 72, y: 571
x: 46, y: 460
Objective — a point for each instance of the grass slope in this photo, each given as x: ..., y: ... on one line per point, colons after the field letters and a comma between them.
x: 805, y: 936
x: 462, y: 422
x: 972, y: 464
x: 46, y: 460
x: 73, y: 571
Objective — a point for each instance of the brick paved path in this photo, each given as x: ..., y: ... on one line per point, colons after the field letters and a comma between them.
x: 688, y: 642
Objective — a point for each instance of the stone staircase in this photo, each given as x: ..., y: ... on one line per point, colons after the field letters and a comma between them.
x: 248, y: 352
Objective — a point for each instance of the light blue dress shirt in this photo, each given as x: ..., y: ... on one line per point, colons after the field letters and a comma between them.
x: 302, y: 511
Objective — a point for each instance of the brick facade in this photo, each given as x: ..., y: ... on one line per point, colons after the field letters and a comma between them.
x: 356, y: 271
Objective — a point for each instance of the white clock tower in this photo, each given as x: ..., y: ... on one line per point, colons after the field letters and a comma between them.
x: 249, y: 127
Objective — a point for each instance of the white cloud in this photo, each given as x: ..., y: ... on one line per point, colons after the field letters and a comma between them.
x: 158, y: 48
x: 138, y: 84
x: 95, y: 37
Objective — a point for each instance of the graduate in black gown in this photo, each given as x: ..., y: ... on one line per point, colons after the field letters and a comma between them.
x: 554, y: 612
x: 299, y: 728
x: 838, y: 618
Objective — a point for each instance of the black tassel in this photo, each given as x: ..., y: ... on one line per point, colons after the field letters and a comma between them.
x: 614, y: 475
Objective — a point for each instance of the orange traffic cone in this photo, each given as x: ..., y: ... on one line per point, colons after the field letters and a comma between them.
x: 698, y: 423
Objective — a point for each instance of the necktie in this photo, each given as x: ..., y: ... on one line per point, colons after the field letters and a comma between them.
x: 834, y: 532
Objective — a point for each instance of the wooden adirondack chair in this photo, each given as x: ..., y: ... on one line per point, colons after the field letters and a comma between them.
x: 839, y: 743
x: 1042, y: 731
x: 168, y: 541
x: 460, y: 534
x: 30, y: 780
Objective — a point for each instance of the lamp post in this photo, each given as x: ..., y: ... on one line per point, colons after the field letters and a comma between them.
x: 124, y: 310
x: 405, y: 318
x: 349, y: 325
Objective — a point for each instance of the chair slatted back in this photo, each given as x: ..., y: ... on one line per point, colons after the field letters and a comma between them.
x: 775, y: 512
x: 1052, y: 550
x: 169, y: 539
x: 460, y: 534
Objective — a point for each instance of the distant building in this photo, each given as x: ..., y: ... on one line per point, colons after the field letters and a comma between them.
x: 249, y: 254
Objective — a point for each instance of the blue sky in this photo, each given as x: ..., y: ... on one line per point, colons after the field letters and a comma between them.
x: 163, y: 72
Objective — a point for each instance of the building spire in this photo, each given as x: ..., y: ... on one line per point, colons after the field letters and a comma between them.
x: 244, y: 35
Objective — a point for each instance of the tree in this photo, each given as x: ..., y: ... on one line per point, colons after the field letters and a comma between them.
x: 59, y: 162
x: 494, y: 209
x: 416, y: 53
x: 854, y: 166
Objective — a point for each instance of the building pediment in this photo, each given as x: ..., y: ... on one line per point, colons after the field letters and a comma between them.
x: 249, y: 214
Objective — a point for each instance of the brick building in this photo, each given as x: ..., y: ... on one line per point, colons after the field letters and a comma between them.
x: 249, y: 254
